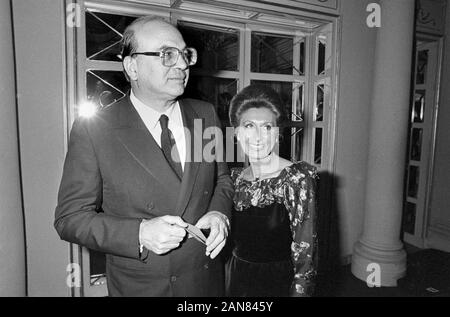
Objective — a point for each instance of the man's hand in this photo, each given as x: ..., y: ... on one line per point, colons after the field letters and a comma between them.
x: 162, y: 234
x: 219, y: 225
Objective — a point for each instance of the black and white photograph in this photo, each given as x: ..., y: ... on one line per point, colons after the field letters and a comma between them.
x: 225, y: 155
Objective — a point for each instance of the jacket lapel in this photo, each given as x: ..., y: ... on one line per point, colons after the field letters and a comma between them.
x: 140, y: 144
x: 194, y: 126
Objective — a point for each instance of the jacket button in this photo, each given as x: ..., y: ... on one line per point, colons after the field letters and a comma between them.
x: 206, y: 192
x: 173, y: 279
x: 150, y: 206
x: 206, y: 266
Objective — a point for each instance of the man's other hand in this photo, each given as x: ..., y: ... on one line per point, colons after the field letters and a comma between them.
x: 219, y: 225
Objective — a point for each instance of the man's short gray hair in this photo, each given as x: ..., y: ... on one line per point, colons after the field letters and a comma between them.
x: 129, y: 41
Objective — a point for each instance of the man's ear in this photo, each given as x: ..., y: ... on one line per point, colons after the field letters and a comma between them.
x: 130, y: 67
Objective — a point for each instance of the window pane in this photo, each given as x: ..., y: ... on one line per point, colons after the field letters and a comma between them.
x: 218, y: 48
x: 302, y: 57
x: 321, y: 55
x: 106, y: 87
x: 318, y: 147
x: 217, y: 91
x: 299, y: 108
x: 413, y: 182
x: 298, y: 144
x: 272, y: 54
x: 409, y: 218
x: 284, y: 89
x: 103, y: 35
x: 318, y: 109
x: 416, y: 144
x: 419, y: 106
x: 422, y: 63
x: 291, y: 142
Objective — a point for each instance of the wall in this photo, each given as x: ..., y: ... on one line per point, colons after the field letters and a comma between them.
x: 39, y: 40
x: 12, y: 245
x: 440, y: 199
x: 355, y: 94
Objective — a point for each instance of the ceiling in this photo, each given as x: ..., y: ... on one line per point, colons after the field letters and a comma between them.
x: 247, y: 10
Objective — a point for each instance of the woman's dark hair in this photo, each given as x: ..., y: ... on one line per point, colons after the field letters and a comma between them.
x: 256, y: 96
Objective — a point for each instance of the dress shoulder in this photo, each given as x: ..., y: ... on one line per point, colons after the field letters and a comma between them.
x: 235, y: 172
x: 301, y: 170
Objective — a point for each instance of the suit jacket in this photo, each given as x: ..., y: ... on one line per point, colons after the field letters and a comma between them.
x: 115, y: 175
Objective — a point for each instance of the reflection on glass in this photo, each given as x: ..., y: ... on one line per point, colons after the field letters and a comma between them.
x: 117, y: 22
x: 284, y: 149
x: 217, y: 91
x: 318, y: 147
x: 419, y: 106
x: 106, y: 87
x: 413, y: 182
x: 321, y: 58
x: 103, y: 35
x: 422, y: 63
x: 272, y: 54
x: 218, y: 48
x: 409, y: 218
x: 302, y: 57
x: 299, y: 109
x: 416, y: 144
x: 291, y: 143
x: 298, y: 136
x: 284, y: 89
x: 318, y: 109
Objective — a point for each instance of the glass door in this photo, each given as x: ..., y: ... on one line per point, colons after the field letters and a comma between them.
x: 421, y: 143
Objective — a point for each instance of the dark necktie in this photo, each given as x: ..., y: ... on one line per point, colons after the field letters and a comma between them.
x: 169, y: 146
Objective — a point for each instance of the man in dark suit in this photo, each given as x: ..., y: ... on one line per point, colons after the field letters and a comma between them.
x: 124, y: 194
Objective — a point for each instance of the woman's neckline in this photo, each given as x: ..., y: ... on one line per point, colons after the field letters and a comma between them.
x: 257, y: 180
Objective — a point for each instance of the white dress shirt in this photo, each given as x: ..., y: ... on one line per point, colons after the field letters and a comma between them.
x: 151, y: 120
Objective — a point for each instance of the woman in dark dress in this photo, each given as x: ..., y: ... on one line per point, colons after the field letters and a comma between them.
x: 273, y: 235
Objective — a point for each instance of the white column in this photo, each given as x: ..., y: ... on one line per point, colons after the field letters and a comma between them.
x: 12, y: 248
x: 380, y: 241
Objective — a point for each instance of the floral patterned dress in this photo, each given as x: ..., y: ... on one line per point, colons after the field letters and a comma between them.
x: 274, y: 251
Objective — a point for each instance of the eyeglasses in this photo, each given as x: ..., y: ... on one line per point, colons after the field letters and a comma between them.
x: 169, y: 55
